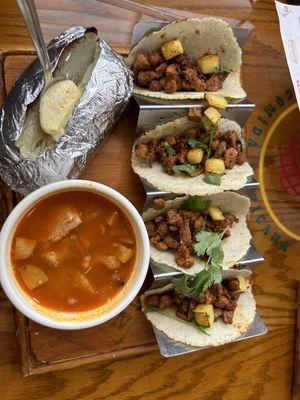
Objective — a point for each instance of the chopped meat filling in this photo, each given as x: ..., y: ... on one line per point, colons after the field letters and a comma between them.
x: 178, y: 74
x: 176, y: 229
x: 224, y: 302
x: 171, y: 150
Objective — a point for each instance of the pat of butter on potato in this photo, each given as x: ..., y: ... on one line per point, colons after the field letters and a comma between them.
x: 56, y: 104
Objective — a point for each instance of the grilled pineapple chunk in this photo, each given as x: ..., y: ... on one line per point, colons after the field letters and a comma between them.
x: 172, y: 49
x: 238, y: 284
x: 215, y: 213
x: 204, y: 315
x: 214, y: 166
x: 213, y: 115
x: 209, y: 63
x: 216, y: 100
x: 207, y: 123
x: 194, y: 156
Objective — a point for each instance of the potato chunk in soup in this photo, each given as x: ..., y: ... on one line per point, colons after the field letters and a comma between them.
x: 67, y: 260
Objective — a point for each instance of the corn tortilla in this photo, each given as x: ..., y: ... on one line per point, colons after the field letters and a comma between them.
x: 234, y: 247
x: 198, y: 37
x: 233, y: 179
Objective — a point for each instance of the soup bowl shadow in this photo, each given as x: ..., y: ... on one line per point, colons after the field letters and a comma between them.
x: 77, y: 319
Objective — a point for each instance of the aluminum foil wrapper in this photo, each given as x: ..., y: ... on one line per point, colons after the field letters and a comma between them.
x: 104, y: 98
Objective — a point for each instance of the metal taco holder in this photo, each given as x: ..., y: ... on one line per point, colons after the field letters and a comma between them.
x: 153, y: 111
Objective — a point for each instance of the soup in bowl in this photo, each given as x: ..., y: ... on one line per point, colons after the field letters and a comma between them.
x: 74, y: 254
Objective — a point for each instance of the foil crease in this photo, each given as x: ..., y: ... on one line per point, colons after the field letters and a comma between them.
x: 102, y: 102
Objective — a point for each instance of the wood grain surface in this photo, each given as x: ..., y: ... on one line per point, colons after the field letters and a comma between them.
x: 261, y: 368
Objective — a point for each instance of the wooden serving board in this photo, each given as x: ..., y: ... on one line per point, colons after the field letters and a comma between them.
x: 43, y: 349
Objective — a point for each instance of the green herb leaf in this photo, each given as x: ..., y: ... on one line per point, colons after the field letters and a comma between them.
x: 205, y: 241
x: 169, y: 149
x: 216, y: 70
x: 150, y: 309
x: 196, y: 144
x: 188, y: 168
x: 227, y: 69
x: 210, y: 138
x: 212, y: 179
x: 196, y: 203
x: 193, y: 286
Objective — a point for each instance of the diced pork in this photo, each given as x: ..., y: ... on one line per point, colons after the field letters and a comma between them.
x: 24, y: 248
x: 33, y: 276
x: 67, y: 220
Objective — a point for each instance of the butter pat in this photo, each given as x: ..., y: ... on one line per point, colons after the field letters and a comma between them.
x: 56, y: 104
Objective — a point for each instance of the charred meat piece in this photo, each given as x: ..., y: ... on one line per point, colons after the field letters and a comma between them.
x: 214, y: 83
x: 227, y: 316
x: 183, y: 256
x: 185, y: 234
x: 152, y: 300
x: 190, y: 74
x: 145, y: 77
x: 161, y: 69
x: 218, y: 312
x: 141, y: 61
x: 182, y: 59
x: 161, y: 246
x: 171, y: 85
x: 168, y: 163
x: 230, y: 156
x: 194, y: 114
x: 165, y: 301
x: 171, y: 242
x: 142, y: 151
x: 158, y: 203
x: 174, y: 218
x: 163, y: 229
x: 171, y: 71
x: 155, y: 58
x: 151, y: 228
x: 206, y: 297
x: 198, y: 84
x: 231, y: 138
x: 155, y: 85
x: 241, y: 158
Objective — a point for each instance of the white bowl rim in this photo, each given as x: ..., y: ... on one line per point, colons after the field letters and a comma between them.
x: 15, y: 296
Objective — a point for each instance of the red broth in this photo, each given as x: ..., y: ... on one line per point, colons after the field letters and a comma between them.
x: 73, y: 251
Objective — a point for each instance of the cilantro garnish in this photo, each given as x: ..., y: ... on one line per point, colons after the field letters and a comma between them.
x: 212, y: 179
x: 188, y: 168
x: 193, y: 286
x: 169, y: 149
x: 150, y: 309
x: 209, y: 244
x: 195, y: 144
x: 196, y: 203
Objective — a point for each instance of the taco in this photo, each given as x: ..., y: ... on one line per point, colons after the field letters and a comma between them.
x: 205, y: 314
x: 190, y: 232
x: 186, y: 157
x: 186, y: 59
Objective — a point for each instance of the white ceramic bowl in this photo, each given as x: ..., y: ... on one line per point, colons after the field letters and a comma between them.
x: 74, y: 320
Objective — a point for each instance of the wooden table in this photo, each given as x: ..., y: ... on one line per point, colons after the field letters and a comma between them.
x: 261, y: 368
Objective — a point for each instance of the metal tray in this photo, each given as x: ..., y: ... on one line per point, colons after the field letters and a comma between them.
x: 153, y: 112
x: 252, y: 258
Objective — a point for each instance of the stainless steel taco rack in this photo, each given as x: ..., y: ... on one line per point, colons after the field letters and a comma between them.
x: 153, y: 112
